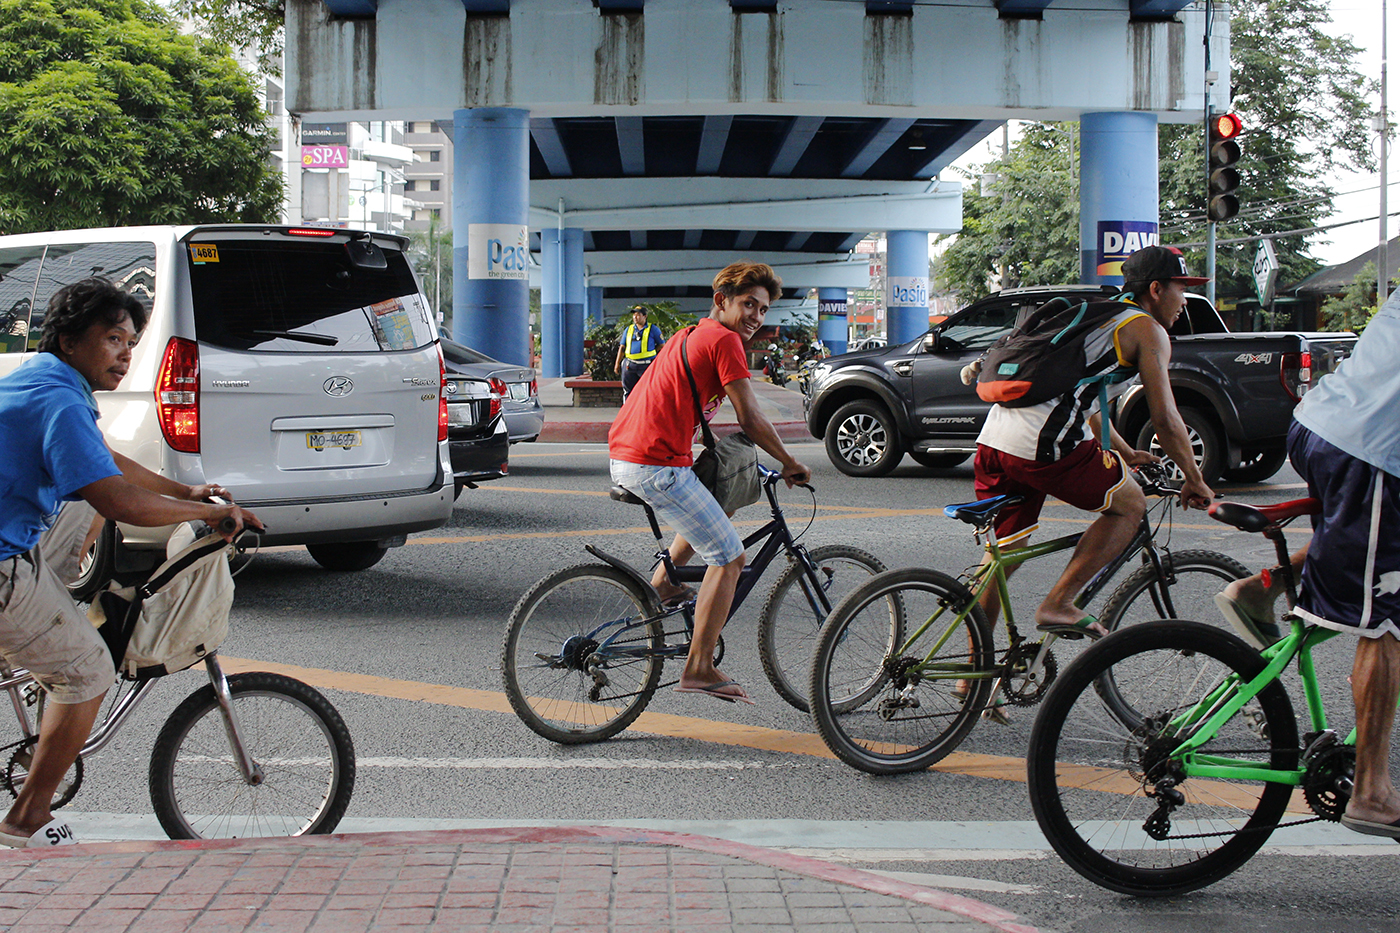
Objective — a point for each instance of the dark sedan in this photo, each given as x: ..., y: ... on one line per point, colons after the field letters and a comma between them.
x: 516, y: 385
x: 477, y: 436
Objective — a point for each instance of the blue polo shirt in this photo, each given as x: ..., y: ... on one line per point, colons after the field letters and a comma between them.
x: 53, y: 448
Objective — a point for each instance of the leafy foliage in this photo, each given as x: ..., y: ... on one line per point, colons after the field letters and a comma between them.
x: 601, y: 339
x: 1356, y: 306
x: 430, y: 254
x: 254, y: 26
x: 1305, y: 112
x: 113, y: 118
x: 1025, y: 221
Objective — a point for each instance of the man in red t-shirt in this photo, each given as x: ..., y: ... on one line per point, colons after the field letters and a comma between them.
x: 649, y: 451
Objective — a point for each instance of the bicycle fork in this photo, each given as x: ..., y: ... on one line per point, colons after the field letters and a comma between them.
x: 250, y: 770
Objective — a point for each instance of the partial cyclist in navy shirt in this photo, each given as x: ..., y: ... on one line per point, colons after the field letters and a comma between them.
x: 57, y: 476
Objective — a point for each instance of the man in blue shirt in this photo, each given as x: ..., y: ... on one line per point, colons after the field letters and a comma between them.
x: 1346, y: 446
x: 57, y: 455
x: 638, y: 347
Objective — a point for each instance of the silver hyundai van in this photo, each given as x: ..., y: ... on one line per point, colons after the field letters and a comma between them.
x: 298, y: 367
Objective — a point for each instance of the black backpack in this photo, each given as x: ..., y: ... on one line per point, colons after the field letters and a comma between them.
x: 1043, y: 358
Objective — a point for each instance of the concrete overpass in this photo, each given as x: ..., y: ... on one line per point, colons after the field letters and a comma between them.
x: 643, y: 143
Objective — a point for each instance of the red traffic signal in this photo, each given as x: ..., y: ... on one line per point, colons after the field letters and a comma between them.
x: 1222, y: 178
x: 1224, y: 126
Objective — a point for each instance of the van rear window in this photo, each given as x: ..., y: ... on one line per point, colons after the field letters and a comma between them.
x: 302, y: 297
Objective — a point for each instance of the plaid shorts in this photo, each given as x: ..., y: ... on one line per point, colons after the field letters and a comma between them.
x: 679, y: 500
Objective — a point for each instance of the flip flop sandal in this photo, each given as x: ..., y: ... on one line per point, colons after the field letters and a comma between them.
x: 56, y: 832
x: 1372, y: 828
x: 685, y: 595
x: 714, y: 691
x: 1080, y: 629
x: 1259, y: 633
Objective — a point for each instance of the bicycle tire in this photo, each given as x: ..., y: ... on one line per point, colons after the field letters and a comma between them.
x: 873, y: 712
x: 1199, y: 574
x: 789, y: 623
x: 548, y: 665
x: 1088, y: 772
x: 308, y: 764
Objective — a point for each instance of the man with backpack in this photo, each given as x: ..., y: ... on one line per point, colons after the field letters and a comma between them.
x: 1033, y: 448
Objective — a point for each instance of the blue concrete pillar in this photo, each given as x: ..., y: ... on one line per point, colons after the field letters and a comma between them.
x: 490, y: 232
x: 561, y: 302
x: 1117, y: 192
x: 831, y: 318
x: 593, y: 301
x: 906, y: 285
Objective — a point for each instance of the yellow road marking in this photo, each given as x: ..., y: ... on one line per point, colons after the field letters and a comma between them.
x: 997, y: 767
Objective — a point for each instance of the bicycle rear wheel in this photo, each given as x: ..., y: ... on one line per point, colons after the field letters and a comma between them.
x: 559, y: 679
x: 792, y: 615
x: 884, y: 707
x: 1197, y: 576
x: 293, y: 734
x: 1097, y: 782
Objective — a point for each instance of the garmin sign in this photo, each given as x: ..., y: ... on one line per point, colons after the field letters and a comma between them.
x: 498, y: 251
x: 906, y: 291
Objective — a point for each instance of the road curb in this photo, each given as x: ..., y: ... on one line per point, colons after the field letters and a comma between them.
x: 596, y: 432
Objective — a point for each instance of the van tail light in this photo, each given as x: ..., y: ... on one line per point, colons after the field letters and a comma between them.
x: 498, y: 392
x: 1296, y: 374
x: 442, y: 397
x: 177, y: 395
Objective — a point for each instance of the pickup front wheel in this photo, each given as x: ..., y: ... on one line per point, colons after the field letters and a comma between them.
x: 862, y: 439
x: 1205, y: 444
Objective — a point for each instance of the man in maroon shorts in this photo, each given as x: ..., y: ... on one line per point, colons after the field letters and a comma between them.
x: 1051, y: 448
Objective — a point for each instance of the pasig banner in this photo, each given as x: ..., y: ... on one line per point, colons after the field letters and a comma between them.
x: 498, y: 251
x: 1119, y: 239
x: 906, y: 291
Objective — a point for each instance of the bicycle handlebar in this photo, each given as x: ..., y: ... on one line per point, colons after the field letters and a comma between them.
x: 1153, y: 479
x: 769, y: 477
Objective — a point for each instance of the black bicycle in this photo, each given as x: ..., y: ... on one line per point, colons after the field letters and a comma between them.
x: 584, y: 647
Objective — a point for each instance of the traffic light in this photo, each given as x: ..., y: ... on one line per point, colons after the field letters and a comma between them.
x: 1223, y: 177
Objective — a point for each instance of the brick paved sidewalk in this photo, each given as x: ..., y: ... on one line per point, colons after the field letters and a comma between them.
x: 569, y: 879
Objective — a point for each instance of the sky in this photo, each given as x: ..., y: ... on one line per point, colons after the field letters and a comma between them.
x: 1361, y: 19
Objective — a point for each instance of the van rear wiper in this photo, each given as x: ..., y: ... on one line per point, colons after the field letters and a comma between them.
x: 324, y: 340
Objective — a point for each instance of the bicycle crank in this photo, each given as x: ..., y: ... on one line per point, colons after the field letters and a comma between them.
x: 1030, y: 670
x: 17, y: 769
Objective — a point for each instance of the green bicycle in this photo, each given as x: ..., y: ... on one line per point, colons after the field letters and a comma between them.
x: 1184, y: 776
x: 906, y: 662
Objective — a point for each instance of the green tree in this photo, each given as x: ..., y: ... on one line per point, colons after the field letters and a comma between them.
x: 1305, y: 112
x: 1356, y: 306
x: 112, y: 117
x: 1024, y: 220
x: 430, y: 253
x: 257, y: 27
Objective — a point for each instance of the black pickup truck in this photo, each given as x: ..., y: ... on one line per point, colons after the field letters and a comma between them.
x: 1236, y: 391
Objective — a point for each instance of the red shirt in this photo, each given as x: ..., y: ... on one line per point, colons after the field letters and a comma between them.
x: 657, y: 423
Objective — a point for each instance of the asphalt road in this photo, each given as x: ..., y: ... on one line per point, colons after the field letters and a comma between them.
x: 437, y: 745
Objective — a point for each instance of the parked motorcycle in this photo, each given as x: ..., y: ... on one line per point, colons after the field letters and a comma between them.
x: 773, y: 366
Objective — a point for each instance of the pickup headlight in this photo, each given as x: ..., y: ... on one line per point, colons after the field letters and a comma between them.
x: 819, y: 374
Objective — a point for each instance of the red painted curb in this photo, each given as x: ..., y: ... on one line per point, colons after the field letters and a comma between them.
x: 993, y: 916
x: 596, y: 432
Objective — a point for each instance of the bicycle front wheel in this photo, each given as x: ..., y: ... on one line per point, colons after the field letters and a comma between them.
x: 562, y: 676
x: 793, y: 614
x: 294, y: 736
x: 1112, y: 796
x: 1196, y: 576
x: 886, y: 707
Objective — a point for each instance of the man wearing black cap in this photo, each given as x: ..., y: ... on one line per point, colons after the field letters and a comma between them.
x: 1051, y: 448
x: 639, y: 345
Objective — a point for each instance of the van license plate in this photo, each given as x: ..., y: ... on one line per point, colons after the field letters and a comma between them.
x: 320, y: 440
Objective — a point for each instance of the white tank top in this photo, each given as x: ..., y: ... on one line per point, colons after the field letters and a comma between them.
x: 1050, y: 430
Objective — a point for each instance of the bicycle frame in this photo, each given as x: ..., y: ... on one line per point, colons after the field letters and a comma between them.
x: 776, y: 537
x: 995, y: 572
x: 121, y: 711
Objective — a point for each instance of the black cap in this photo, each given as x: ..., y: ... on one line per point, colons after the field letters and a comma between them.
x: 1153, y: 263
x: 637, y: 309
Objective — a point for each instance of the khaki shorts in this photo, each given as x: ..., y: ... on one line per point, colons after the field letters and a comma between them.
x: 41, y: 628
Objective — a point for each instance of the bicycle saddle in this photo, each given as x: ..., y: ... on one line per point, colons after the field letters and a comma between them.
x: 618, y: 494
x: 1251, y: 519
x: 980, y: 513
